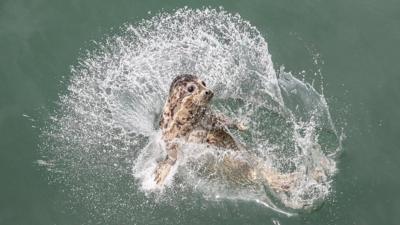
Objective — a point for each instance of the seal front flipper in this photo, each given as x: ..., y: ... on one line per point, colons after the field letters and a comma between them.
x: 162, y: 171
x: 164, y: 167
x: 220, y: 120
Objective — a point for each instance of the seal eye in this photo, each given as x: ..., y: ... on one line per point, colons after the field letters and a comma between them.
x: 191, y: 88
x: 203, y: 83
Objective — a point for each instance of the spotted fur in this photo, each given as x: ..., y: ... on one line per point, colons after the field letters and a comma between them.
x: 187, y: 117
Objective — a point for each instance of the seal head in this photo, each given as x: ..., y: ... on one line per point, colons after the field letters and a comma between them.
x: 187, y: 102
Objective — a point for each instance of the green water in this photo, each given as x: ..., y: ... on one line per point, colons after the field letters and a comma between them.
x: 358, y: 41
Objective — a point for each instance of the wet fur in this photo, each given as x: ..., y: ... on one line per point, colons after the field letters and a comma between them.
x: 187, y: 117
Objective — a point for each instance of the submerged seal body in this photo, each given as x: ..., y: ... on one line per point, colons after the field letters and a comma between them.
x: 187, y: 117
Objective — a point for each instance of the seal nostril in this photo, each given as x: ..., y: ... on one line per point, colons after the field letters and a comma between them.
x: 208, y: 92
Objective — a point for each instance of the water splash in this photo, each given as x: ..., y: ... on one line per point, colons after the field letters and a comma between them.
x: 105, y: 131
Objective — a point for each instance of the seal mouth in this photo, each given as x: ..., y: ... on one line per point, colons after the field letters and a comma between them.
x: 203, y: 99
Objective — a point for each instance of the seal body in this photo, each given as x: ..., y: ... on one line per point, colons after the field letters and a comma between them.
x: 186, y: 117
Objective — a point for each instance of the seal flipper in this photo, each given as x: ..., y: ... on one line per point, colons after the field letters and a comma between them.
x: 268, y: 201
x: 164, y: 167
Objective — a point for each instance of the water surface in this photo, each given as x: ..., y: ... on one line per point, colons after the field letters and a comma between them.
x: 351, y: 45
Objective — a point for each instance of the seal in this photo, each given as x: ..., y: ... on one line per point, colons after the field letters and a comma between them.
x: 187, y: 117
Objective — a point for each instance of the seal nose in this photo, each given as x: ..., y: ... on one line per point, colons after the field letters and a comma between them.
x: 209, y: 93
